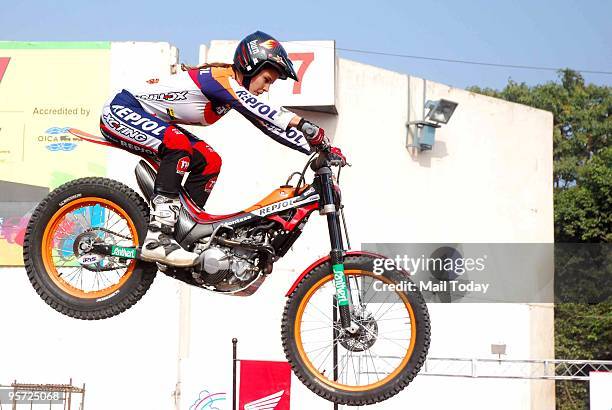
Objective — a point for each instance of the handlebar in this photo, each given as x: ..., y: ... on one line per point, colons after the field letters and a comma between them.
x: 323, y: 160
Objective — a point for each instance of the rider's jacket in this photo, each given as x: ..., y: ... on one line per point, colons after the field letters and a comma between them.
x: 202, y: 96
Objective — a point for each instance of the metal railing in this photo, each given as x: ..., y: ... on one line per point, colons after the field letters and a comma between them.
x: 552, y: 369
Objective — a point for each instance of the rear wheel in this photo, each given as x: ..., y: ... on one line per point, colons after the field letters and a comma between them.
x: 58, y: 253
x: 380, y: 358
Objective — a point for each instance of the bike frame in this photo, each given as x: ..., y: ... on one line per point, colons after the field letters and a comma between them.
x: 199, y: 224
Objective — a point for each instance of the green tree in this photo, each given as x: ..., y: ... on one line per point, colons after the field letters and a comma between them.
x: 582, y: 175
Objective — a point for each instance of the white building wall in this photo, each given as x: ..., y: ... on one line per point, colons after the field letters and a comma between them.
x: 488, y: 179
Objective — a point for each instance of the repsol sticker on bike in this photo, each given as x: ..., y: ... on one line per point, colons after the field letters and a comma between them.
x: 340, y: 284
x: 70, y: 198
x: 286, y: 204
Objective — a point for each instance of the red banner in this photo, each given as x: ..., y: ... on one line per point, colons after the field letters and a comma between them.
x: 3, y: 65
x: 264, y: 385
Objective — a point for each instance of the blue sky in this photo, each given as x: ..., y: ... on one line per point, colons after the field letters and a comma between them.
x: 550, y: 33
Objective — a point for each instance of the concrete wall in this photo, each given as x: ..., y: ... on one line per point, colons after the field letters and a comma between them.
x: 488, y: 179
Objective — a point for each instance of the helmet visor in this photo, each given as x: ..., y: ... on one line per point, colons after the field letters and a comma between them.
x: 285, y: 65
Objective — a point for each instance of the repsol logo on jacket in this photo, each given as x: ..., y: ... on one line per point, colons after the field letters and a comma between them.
x: 263, y: 109
x: 291, y: 134
x: 137, y: 121
x: 123, y: 129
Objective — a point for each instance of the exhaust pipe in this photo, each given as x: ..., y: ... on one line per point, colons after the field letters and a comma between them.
x: 145, y: 177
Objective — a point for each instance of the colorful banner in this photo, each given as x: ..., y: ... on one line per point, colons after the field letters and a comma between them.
x: 264, y: 385
x: 46, y: 88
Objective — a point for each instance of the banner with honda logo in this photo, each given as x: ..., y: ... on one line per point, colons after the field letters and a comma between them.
x: 264, y: 385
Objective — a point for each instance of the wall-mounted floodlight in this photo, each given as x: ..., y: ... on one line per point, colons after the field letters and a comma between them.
x: 438, y: 112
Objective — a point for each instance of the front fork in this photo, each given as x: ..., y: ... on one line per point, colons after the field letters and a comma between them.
x: 343, y: 295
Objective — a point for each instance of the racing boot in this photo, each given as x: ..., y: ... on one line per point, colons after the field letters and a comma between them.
x: 159, y: 244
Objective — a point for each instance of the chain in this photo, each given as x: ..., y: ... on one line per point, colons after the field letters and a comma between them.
x: 106, y: 269
x: 108, y: 231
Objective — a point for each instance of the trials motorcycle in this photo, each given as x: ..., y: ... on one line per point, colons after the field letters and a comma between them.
x: 346, y: 340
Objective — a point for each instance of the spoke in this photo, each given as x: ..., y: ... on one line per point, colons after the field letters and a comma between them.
x: 384, y: 338
x: 388, y: 310
x: 317, y: 341
x: 115, y: 223
x: 323, y: 313
x: 395, y: 331
x: 383, y: 303
x: 328, y: 353
x: 62, y: 250
x: 347, y: 361
x: 78, y: 219
x: 331, y: 348
x: 369, y: 286
x: 74, y: 272
x: 97, y: 281
x: 354, y: 371
x: 393, y: 318
x: 64, y: 265
x: 367, y: 366
x: 319, y: 328
x: 394, y: 338
x: 373, y: 364
x: 103, y: 276
x: 356, y: 281
x: 61, y: 229
x: 61, y: 238
x: 106, y: 219
x: 316, y: 350
x: 381, y: 358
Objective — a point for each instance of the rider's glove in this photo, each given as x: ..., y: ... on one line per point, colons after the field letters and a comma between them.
x: 335, y: 154
x: 314, y: 134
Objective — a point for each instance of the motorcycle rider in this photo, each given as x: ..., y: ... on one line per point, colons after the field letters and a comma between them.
x: 145, y: 120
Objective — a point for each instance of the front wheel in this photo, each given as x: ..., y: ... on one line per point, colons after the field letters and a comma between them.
x: 57, y: 249
x: 380, y: 358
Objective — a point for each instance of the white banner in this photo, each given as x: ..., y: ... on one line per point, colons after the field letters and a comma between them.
x: 600, y: 390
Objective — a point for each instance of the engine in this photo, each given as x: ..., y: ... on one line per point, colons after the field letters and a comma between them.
x: 219, y: 261
x: 236, y: 258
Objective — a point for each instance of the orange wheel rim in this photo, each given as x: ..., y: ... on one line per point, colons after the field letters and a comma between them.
x: 48, y: 247
x: 316, y: 372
